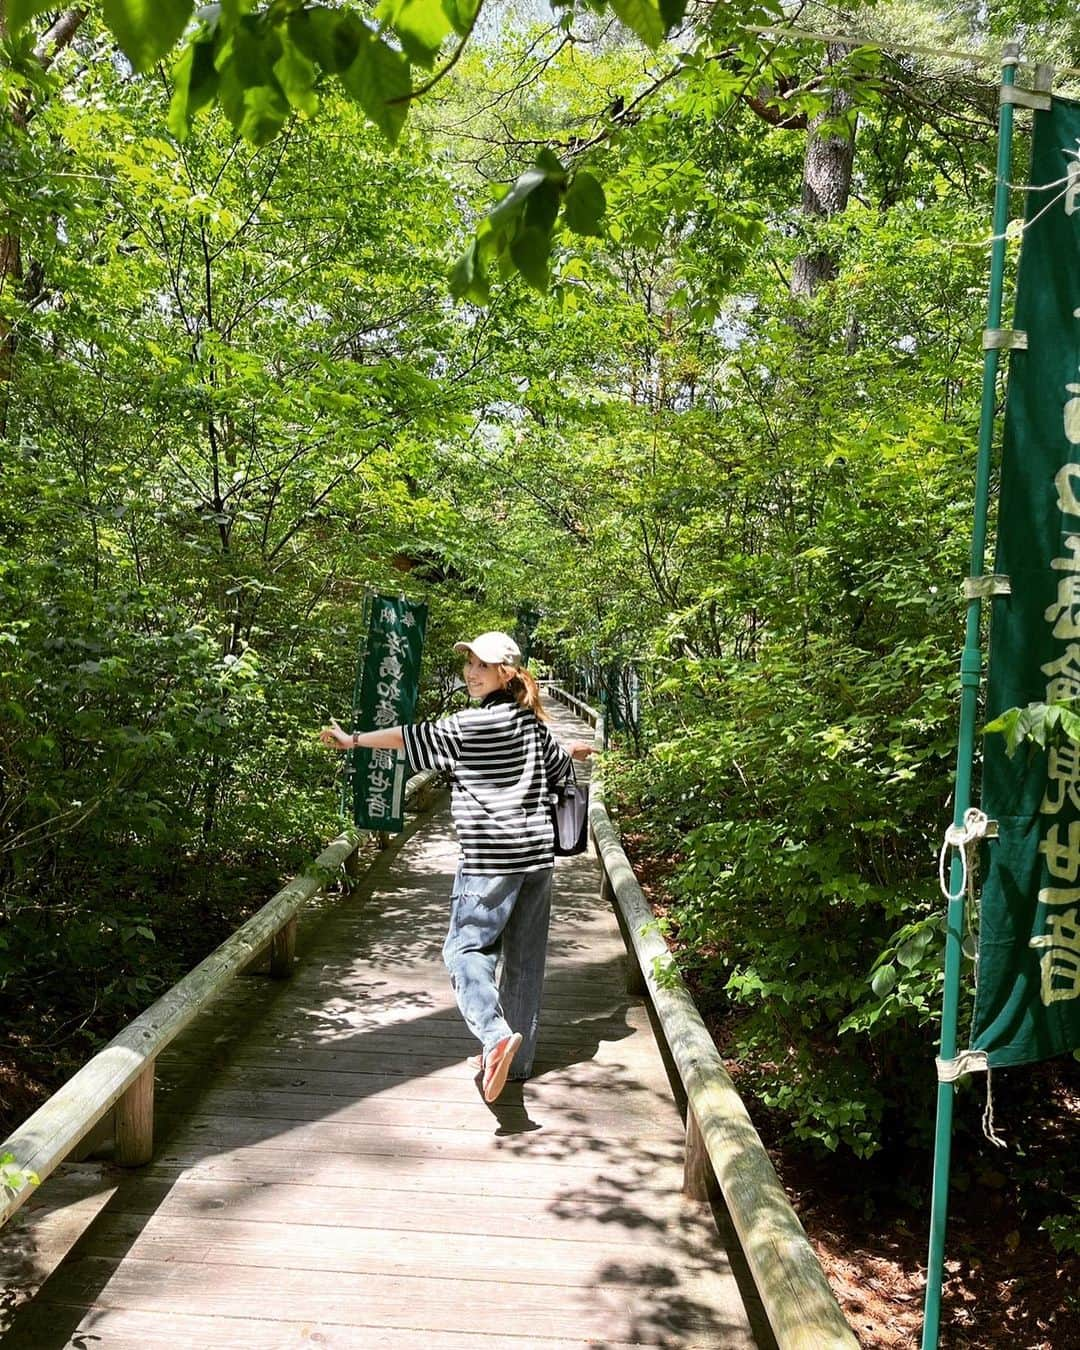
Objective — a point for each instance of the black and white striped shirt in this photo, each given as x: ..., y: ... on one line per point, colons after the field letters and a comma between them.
x: 503, y: 763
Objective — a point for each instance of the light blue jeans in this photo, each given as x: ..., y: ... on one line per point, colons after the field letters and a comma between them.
x: 493, y: 917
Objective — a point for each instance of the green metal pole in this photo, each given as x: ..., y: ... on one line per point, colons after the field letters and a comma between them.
x: 970, y: 674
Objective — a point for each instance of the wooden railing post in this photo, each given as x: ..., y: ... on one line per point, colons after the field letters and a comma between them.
x: 699, y: 1183
x: 134, y: 1121
x: 283, y: 950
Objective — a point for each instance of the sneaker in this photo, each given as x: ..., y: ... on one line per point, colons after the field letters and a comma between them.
x: 475, y: 1062
x: 497, y: 1065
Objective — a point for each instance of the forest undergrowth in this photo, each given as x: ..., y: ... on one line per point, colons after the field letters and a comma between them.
x: 1006, y: 1286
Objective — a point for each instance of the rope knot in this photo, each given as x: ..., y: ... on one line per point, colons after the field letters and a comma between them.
x: 963, y: 837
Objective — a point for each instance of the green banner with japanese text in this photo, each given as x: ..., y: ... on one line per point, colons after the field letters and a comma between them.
x: 1027, y: 1000
x: 387, y: 685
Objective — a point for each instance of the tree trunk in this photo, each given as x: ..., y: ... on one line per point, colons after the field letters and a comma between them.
x: 826, y: 183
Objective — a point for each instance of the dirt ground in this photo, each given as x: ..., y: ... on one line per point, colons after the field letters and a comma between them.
x: 1005, y: 1286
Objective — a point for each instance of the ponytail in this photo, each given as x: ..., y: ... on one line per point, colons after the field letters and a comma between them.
x: 526, y: 692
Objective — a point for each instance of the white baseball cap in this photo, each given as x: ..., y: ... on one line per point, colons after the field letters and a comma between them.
x: 494, y: 649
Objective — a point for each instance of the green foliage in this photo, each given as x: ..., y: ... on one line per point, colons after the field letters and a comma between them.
x: 215, y: 412
x: 12, y: 1177
x: 260, y: 63
x: 1064, y: 1229
x: 236, y: 396
x: 20, y: 12
x: 517, y: 231
x: 1039, y: 725
x: 147, y: 29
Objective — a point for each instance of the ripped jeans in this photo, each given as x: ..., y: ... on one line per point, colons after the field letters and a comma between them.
x: 500, y: 917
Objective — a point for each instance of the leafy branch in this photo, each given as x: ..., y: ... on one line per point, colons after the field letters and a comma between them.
x: 1038, y: 725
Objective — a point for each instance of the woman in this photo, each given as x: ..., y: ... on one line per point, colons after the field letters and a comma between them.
x: 503, y: 765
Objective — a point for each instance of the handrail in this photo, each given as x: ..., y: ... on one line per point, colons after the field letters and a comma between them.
x: 121, y: 1075
x: 801, y: 1308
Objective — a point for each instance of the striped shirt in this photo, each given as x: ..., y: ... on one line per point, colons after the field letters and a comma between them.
x: 503, y: 765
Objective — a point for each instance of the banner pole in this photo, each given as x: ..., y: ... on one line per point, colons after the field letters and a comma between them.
x: 970, y: 676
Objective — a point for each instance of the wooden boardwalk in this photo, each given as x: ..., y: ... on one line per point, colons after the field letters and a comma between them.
x: 329, y: 1175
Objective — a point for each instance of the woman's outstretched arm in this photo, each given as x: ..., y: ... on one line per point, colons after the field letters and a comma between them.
x: 387, y: 738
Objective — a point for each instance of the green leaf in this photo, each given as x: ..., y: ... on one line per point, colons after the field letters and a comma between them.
x: 146, y: 29
x: 542, y: 207
x: 195, y: 81
x: 467, y: 280
x: 249, y: 93
x: 529, y: 249
x: 643, y: 18
x: 380, y: 81
x: 297, y: 76
x: 552, y: 165
x: 585, y: 204
x: 462, y: 14
x: 329, y: 37
x: 421, y: 25
x: 883, y: 981
x: 265, y: 111
x: 1006, y: 725
x: 1070, y: 724
x: 909, y: 954
x: 251, y: 50
x: 511, y: 202
x: 20, y: 12
x: 672, y: 11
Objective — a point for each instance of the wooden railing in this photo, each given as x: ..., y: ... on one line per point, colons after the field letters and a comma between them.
x: 722, y: 1146
x: 120, y: 1078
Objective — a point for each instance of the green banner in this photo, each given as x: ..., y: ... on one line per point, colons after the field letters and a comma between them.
x: 387, y: 683
x: 1027, y: 1001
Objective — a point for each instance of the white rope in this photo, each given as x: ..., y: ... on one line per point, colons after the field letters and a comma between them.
x: 988, y: 1115
x: 966, y: 838
x: 963, y: 837
x: 964, y: 1062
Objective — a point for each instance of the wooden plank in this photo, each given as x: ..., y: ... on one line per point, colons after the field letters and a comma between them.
x: 549, y: 1147
x: 604, y: 1069
x: 515, y: 1256
x: 599, y: 1212
x: 131, y: 1329
x: 455, y: 1084
x: 426, y: 1036
x: 589, y: 1117
x: 55, y: 1128
x: 424, y: 1176
x: 656, y: 1312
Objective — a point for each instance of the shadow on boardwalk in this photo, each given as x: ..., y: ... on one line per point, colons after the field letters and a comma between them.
x: 328, y: 1173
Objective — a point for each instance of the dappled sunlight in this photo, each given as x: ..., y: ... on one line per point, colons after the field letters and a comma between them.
x: 337, y: 1134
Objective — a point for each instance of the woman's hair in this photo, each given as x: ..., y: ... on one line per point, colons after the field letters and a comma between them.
x: 525, y: 690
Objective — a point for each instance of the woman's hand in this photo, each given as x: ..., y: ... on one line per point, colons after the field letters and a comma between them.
x: 581, y: 749
x: 335, y: 737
